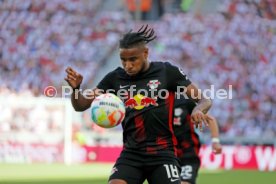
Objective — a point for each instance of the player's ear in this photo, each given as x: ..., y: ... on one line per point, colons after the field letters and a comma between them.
x: 146, y: 52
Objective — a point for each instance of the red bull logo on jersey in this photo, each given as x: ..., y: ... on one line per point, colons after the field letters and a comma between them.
x: 139, y: 102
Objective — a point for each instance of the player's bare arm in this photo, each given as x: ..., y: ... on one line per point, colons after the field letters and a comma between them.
x: 213, y: 126
x: 203, y: 105
x: 78, y: 100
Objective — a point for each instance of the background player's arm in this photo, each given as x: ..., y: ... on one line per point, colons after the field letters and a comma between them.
x: 213, y: 126
x: 78, y: 100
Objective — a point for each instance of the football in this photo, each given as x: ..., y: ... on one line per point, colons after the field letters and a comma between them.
x: 107, y: 110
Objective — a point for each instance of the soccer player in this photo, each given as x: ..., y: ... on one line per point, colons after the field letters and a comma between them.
x: 188, y: 140
x: 147, y: 89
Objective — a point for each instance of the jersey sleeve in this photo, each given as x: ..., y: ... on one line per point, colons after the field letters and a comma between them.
x: 186, y: 104
x: 176, y: 77
x: 190, y: 106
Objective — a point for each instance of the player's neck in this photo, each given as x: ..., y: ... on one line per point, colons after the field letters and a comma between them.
x: 147, y: 66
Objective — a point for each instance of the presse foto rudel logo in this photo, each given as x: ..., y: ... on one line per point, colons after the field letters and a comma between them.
x: 142, y: 97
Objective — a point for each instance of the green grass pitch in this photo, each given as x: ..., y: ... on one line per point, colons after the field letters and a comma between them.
x: 98, y: 174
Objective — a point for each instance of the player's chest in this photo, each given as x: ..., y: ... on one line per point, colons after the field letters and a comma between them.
x: 154, y: 84
x: 144, y: 93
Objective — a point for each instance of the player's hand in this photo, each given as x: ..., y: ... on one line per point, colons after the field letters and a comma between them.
x: 199, y: 118
x: 73, y: 78
x: 216, y: 148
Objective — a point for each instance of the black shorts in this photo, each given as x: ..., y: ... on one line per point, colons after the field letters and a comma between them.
x: 165, y: 172
x: 189, y: 169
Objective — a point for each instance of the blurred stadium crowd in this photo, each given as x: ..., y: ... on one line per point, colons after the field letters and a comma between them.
x: 39, y: 39
x: 235, y: 46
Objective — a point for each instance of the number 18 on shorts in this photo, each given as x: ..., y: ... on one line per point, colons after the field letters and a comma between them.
x: 172, y: 173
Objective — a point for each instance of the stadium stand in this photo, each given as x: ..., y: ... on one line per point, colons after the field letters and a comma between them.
x: 39, y: 39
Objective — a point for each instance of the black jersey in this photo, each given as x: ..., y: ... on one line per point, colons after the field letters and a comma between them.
x: 188, y: 140
x: 149, y: 102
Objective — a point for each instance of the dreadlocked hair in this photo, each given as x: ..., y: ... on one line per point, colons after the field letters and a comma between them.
x: 143, y: 35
